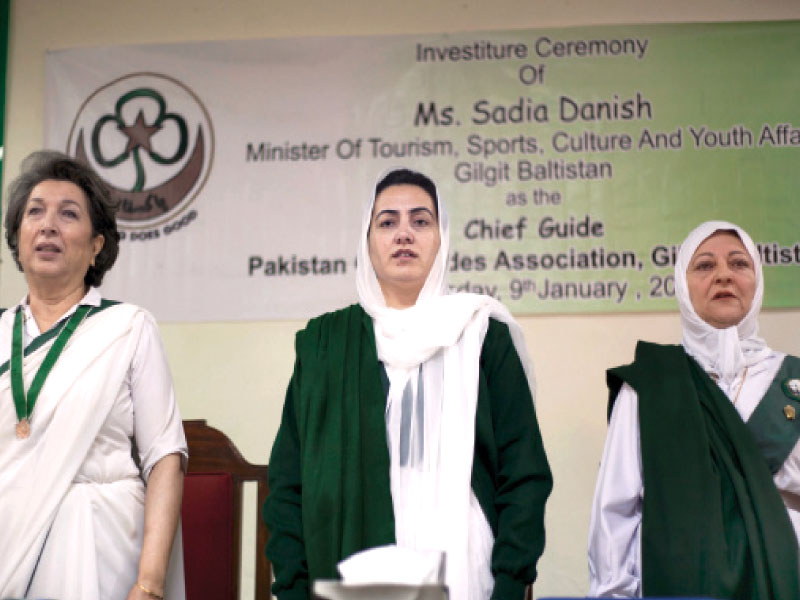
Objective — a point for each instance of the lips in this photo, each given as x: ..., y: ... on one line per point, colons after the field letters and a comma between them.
x: 723, y: 295
x: 404, y: 253
x: 47, y: 247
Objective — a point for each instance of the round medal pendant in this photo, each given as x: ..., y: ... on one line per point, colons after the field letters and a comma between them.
x: 23, y: 429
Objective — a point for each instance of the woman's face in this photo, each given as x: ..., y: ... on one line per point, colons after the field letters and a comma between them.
x: 56, y: 244
x: 721, y: 280
x: 403, y: 241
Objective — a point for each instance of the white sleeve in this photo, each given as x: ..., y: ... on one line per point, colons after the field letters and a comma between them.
x: 615, y: 526
x: 157, y: 424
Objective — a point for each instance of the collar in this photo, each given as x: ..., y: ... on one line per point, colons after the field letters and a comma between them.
x: 92, y: 298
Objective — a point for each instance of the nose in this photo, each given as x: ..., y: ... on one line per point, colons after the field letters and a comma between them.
x: 404, y: 234
x: 48, y: 222
x: 723, y: 272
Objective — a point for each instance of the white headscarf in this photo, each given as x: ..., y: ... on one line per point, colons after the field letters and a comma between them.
x: 438, y: 342
x: 724, y: 352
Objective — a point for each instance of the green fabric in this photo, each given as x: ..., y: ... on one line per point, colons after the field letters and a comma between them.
x: 328, y: 450
x: 713, y: 523
x: 774, y: 434
x: 48, y: 335
x: 510, y: 474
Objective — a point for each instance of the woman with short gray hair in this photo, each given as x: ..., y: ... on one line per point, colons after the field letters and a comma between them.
x: 83, y: 380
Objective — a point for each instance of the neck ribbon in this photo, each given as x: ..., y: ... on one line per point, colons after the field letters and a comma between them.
x: 23, y: 405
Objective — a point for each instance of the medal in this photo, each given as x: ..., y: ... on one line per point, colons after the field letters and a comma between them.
x: 24, y: 403
x: 23, y: 429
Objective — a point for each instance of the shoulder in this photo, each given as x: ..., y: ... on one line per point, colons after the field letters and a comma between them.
x: 792, y: 362
x: 117, y: 309
x: 651, y: 361
x: 497, y: 335
x: 649, y: 353
x: 330, y: 326
x: 7, y: 323
x: 498, y: 350
x: 140, y: 320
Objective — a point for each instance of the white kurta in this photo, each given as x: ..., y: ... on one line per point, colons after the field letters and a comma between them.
x: 615, y: 527
x: 84, y: 527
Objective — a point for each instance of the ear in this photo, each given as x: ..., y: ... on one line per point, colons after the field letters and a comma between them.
x: 97, y: 245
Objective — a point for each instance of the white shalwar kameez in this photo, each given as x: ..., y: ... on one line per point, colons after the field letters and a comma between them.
x: 71, y: 495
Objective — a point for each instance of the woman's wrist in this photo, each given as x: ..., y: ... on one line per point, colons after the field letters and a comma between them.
x: 150, y: 591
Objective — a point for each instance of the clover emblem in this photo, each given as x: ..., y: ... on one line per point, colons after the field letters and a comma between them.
x: 139, y: 135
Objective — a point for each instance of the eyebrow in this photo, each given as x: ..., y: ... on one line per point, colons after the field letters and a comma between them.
x: 711, y: 254
x: 62, y: 201
x: 413, y: 211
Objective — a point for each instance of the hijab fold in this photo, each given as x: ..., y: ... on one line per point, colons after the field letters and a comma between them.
x: 437, y: 342
x: 722, y: 352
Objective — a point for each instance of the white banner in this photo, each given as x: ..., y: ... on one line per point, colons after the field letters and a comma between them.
x: 572, y: 161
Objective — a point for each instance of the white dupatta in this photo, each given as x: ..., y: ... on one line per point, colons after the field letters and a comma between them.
x: 437, y: 342
x: 36, y: 473
x: 724, y: 352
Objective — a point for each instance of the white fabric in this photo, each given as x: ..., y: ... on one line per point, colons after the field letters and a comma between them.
x: 434, y: 506
x: 724, y: 352
x: 71, y: 492
x: 392, y: 564
x: 614, y: 530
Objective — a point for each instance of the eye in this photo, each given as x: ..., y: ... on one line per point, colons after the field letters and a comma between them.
x: 70, y: 213
x: 740, y: 263
x: 421, y: 222
x: 33, y: 210
x: 384, y: 223
x: 704, y: 265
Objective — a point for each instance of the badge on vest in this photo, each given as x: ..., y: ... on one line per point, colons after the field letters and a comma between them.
x: 791, y: 387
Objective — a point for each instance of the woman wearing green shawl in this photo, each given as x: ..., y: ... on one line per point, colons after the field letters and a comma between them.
x: 699, y: 486
x: 409, y: 420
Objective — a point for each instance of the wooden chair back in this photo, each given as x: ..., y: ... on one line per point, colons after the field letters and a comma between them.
x: 212, y: 516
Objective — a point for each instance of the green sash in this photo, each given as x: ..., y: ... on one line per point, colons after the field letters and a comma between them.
x: 347, y: 504
x: 713, y: 523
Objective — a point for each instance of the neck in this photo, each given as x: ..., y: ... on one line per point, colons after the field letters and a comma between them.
x: 48, y: 304
x: 400, y: 298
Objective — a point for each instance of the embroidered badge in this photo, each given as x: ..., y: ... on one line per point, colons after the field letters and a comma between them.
x: 791, y: 388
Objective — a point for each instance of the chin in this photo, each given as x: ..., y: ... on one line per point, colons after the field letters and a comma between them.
x: 724, y: 321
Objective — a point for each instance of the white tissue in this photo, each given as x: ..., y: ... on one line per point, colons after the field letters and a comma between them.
x: 392, y: 564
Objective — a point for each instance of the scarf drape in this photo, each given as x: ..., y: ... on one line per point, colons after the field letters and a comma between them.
x: 68, y: 416
x: 437, y: 341
x: 724, y: 352
x: 713, y: 523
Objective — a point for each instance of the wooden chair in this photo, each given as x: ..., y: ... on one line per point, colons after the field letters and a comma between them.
x: 211, y: 515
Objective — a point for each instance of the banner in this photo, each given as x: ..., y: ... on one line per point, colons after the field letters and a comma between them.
x: 572, y: 161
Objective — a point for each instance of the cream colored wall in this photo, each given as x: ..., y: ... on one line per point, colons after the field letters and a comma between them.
x: 234, y: 375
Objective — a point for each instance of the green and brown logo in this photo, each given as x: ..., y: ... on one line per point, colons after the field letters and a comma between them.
x: 151, y: 139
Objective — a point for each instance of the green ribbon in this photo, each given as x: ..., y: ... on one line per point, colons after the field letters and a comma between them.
x: 23, y: 405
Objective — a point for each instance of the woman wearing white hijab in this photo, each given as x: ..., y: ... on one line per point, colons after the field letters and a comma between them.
x: 409, y: 420
x: 709, y: 429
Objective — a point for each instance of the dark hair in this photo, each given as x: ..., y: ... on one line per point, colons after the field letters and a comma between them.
x: 409, y: 177
x: 50, y: 165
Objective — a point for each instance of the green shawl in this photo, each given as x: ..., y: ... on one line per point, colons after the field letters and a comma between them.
x: 713, y: 522
x: 347, y: 504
